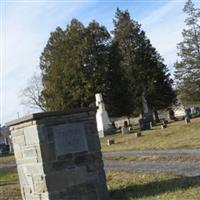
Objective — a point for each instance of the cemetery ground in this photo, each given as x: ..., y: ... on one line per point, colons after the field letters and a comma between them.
x: 177, y: 135
x: 162, y: 164
x: 124, y: 185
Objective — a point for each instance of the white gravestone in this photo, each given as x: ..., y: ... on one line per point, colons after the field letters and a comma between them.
x: 103, y: 121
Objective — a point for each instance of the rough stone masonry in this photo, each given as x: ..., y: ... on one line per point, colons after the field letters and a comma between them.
x: 58, y: 156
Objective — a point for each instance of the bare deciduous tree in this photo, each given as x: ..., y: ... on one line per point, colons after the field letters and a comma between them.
x: 31, y: 95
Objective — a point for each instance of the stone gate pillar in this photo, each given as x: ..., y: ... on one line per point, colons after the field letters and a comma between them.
x: 58, y: 156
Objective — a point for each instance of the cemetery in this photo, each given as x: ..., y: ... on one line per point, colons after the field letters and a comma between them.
x: 121, y: 184
x: 112, y: 111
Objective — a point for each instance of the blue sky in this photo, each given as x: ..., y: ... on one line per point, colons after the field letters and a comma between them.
x: 26, y: 26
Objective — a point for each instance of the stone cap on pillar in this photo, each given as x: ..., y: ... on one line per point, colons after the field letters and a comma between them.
x: 42, y: 115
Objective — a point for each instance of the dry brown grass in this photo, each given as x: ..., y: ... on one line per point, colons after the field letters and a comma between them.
x: 176, y: 136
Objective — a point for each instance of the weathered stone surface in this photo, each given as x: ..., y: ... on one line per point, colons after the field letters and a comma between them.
x: 35, y: 169
x: 19, y: 139
x: 93, y: 142
x: 58, y: 157
x: 48, y: 152
x: 65, y: 178
x: 40, y: 184
x: 69, y: 138
x: 17, y: 132
x: 21, y: 125
x: 17, y: 151
x: 91, y: 127
x: 63, y: 164
x: 31, y: 135
x: 30, y: 152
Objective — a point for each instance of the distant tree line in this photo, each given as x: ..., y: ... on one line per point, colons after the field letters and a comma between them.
x: 122, y: 65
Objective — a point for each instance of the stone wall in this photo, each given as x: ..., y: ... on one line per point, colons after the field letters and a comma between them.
x: 58, y: 156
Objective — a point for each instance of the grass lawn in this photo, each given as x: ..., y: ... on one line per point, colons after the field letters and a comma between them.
x: 153, y: 158
x: 177, y: 135
x: 143, y: 186
x: 9, y: 185
x: 140, y: 186
x: 7, y: 159
x: 124, y: 186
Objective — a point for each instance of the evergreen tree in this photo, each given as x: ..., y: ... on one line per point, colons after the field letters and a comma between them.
x: 96, y: 60
x: 142, y: 65
x: 188, y: 67
x: 73, y: 65
x: 61, y: 67
x: 81, y: 61
x: 118, y: 97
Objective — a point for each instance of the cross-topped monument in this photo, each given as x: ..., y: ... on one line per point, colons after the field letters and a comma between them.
x: 103, y: 122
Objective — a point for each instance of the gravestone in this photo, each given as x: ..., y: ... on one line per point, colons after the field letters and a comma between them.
x: 147, y: 118
x: 104, y: 125
x: 58, y: 156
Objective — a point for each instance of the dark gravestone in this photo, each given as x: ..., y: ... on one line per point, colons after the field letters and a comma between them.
x: 146, y: 121
x: 144, y: 124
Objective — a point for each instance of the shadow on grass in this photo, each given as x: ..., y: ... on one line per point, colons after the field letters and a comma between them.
x: 154, y: 188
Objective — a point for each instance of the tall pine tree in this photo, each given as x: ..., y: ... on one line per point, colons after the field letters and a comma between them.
x: 188, y: 67
x: 74, y: 65
x: 118, y: 96
x: 142, y: 65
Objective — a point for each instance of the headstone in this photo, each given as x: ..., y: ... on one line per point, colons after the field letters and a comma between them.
x: 197, y: 111
x: 147, y: 117
x: 171, y: 114
x: 144, y: 124
x: 125, y: 128
x: 164, y: 124
x: 104, y: 125
x: 58, y: 156
x: 187, y: 120
x: 138, y: 134
x: 187, y: 115
x: 110, y: 142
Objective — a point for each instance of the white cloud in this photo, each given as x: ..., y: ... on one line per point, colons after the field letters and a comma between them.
x: 157, y: 15
x: 26, y: 29
x: 164, y: 26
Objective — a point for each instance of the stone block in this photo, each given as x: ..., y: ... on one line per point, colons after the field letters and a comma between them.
x: 48, y: 152
x: 101, y: 188
x: 58, y: 156
x: 35, y: 169
x: 17, y: 151
x: 31, y: 135
x: 39, y: 184
x: 49, y: 134
x: 19, y: 140
x: 29, y: 152
x: 41, y: 133
x: 91, y: 127
x: 22, y: 125
x: 93, y: 143
x: 69, y: 138
x: 63, y: 164
x: 58, y: 181
x: 17, y: 132
x: 45, y: 196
